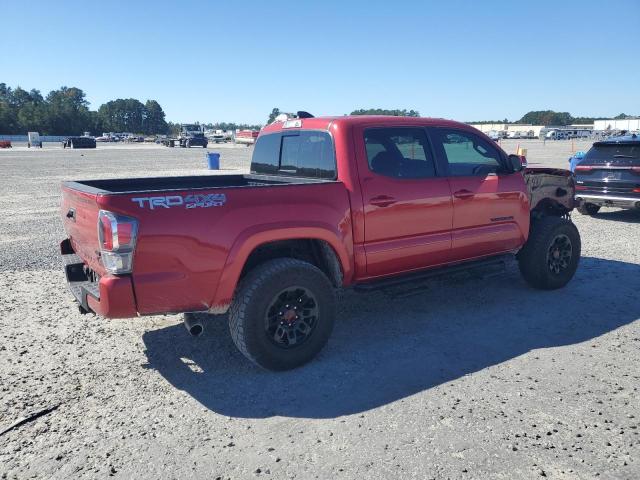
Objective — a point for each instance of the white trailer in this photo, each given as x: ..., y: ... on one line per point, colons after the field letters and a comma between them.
x: 34, y: 140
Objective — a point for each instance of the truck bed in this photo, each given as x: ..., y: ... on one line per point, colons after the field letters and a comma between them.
x: 195, y: 182
x: 190, y: 230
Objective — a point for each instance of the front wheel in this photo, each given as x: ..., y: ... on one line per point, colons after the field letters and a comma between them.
x: 282, y: 314
x: 588, y: 209
x: 550, y: 257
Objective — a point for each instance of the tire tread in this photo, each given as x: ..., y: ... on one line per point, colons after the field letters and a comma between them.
x: 247, y: 290
x: 530, y: 258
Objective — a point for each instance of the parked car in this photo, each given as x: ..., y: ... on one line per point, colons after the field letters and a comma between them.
x: 494, y: 135
x: 247, y: 137
x: 5, y: 143
x: 575, y: 159
x: 79, y: 142
x: 364, y: 202
x: 609, y: 175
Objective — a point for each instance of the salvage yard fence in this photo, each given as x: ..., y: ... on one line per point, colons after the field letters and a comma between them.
x: 44, y: 138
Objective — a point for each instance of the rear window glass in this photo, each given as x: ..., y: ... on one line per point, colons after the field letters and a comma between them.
x: 266, y: 154
x: 613, y: 153
x: 301, y: 154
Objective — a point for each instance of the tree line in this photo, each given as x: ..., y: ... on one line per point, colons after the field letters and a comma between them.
x: 66, y: 111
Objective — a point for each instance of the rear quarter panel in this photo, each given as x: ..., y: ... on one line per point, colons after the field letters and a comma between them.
x: 191, y: 259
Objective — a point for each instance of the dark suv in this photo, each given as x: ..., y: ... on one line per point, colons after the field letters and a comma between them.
x: 609, y: 175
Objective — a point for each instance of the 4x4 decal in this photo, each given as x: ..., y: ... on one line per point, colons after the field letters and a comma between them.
x: 198, y: 200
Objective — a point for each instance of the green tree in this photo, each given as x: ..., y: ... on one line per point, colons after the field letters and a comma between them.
x: 67, y: 112
x: 32, y: 111
x: 8, y: 113
x: 122, y: 115
x: 154, y: 121
x: 272, y: 116
x: 547, y: 117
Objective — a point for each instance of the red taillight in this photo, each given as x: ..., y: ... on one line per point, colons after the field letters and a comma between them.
x: 584, y: 168
x: 636, y: 190
x: 635, y: 170
x: 105, y: 232
x: 580, y: 187
x: 117, y: 237
x: 125, y: 233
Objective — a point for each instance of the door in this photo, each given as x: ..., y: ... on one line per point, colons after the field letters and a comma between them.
x: 490, y: 205
x: 408, y: 207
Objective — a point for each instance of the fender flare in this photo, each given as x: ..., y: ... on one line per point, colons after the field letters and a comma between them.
x: 257, y: 235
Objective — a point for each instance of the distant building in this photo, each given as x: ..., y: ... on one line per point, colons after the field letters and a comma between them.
x: 508, y: 127
x: 631, y: 124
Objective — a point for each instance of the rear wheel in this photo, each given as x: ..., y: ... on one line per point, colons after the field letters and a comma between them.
x: 550, y: 257
x: 588, y: 209
x: 282, y: 314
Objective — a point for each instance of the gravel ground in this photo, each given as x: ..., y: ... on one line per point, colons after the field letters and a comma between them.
x: 468, y: 379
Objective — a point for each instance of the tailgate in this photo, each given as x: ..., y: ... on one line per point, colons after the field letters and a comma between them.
x: 80, y: 219
x: 608, y: 179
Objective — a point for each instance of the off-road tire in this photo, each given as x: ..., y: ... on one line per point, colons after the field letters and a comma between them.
x: 247, y: 315
x: 588, y: 209
x: 533, y: 258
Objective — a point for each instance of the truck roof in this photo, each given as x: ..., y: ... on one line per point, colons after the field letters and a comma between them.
x: 323, y: 123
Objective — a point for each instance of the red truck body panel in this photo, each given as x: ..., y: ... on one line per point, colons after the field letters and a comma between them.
x: 192, y: 259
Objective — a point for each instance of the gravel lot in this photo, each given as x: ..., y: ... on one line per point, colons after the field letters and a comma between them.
x: 469, y: 379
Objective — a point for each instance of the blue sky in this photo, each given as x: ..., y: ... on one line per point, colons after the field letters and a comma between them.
x: 222, y: 61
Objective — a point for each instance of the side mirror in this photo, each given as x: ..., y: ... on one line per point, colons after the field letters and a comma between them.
x: 517, y: 162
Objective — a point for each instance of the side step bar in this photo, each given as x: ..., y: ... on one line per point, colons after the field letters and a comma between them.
x: 480, y: 268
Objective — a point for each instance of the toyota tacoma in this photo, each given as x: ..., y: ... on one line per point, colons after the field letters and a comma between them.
x: 330, y: 203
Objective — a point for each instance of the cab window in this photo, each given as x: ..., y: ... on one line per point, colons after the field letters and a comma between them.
x: 467, y: 154
x: 400, y: 152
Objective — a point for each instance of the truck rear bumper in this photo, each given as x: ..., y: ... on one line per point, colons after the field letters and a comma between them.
x: 109, y: 296
x: 609, y: 200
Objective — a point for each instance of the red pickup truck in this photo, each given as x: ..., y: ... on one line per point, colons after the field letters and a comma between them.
x: 356, y: 201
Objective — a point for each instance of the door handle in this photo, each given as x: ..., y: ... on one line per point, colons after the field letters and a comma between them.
x: 382, y: 201
x: 463, y: 194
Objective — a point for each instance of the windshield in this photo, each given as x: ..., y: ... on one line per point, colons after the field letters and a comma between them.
x: 622, y: 154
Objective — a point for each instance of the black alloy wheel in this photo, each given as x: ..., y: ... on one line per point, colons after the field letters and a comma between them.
x: 559, y: 254
x: 292, y: 317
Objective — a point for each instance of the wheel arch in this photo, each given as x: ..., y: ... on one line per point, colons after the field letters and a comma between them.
x: 549, y: 207
x: 317, y: 245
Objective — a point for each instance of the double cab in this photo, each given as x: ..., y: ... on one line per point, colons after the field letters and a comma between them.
x: 330, y: 203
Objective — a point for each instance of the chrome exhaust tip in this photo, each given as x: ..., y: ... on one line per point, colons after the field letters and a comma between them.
x: 193, y: 324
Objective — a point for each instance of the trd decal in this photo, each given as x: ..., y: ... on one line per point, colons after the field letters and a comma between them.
x: 198, y: 200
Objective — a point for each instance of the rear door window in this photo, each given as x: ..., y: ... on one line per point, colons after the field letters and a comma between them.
x: 401, y: 152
